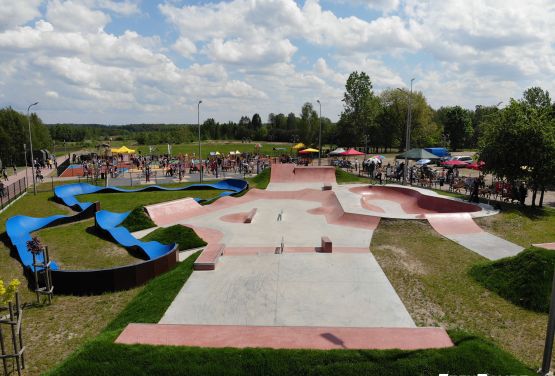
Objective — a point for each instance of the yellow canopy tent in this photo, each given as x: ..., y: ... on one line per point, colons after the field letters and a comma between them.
x: 308, y: 151
x: 300, y: 145
x: 123, y: 150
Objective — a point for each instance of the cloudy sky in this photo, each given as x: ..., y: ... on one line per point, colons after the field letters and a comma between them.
x: 118, y: 62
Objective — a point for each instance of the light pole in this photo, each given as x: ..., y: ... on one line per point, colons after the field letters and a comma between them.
x: 407, y: 135
x: 31, y: 145
x: 320, y: 135
x: 409, y: 125
x: 199, y: 147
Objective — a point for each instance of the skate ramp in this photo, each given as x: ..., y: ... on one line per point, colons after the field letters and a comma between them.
x: 172, y: 211
x: 461, y: 228
x: 399, y: 201
x: 292, y: 174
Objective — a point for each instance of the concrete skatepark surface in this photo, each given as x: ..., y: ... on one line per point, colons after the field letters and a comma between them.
x: 295, y: 289
x: 255, y: 296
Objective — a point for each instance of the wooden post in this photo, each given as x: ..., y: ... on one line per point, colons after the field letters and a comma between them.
x: 48, y: 275
x: 3, y: 349
x: 14, y: 338
x: 35, y: 272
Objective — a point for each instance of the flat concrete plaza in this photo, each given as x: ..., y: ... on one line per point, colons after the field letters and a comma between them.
x: 298, y: 289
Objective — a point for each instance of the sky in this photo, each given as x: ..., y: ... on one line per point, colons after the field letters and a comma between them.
x: 148, y: 61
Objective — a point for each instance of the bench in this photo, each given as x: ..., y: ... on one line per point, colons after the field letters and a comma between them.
x: 326, y: 245
x: 209, y: 257
x: 250, y: 216
x: 326, y: 187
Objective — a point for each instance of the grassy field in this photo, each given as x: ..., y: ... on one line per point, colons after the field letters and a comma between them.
x: 185, y: 236
x: 53, y: 332
x: 102, y: 356
x: 78, y: 246
x: 223, y: 147
x: 431, y: 275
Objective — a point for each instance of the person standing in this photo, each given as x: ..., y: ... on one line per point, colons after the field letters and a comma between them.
x: 4, y: 173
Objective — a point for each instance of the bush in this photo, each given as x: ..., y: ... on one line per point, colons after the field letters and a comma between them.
x: 138, y: 220
x: 184, y: 236
x: 524, y: 279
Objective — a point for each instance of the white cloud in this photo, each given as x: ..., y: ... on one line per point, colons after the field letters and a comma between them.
x: 52, y: 94
x: 75, y: 16
x: 18, y: 12
x: 124, y: 8
x: 185, y: 47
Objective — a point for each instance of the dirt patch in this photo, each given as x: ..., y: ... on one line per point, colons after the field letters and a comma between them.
x: 405, y: 273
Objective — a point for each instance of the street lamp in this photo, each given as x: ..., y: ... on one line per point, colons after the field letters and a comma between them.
x: 409, y: 120
x: 199, y: 147
x: 31, y: 145
x: 320, y: 135
x: 407, y: 135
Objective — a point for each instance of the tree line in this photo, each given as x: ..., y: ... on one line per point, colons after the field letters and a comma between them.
x: 14, y: 133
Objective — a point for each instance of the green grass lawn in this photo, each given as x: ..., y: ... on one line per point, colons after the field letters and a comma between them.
x: 344, y: 177
x: 524, y: 279
x: 185, y: 236
x: 431, y: 275
x: 78, y: 246
x: 223, y: 147
x: 138, y: 220
x: 261, y: 180
x: 102, y: 356
x: 53, y: 332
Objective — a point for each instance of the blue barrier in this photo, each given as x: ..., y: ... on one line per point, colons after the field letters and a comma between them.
x: 66, y: 193
x: 109, y: 222
x: 20, y: 227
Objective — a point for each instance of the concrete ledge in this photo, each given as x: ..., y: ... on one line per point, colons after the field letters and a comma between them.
x: 209, y: 257
x: 326, y: 245
x: 250, y: 216
x: 285, y: 337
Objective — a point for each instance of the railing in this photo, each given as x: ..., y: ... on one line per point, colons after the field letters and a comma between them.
x: 9, y: 193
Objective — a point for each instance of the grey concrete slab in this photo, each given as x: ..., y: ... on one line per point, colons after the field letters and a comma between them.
x: 309, y: 289
x: 490, y: 246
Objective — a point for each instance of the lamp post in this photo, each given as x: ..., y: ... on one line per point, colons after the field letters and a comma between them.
x: 199, y: 147
x: 31, y: 145
x: 320, y: 135
x: 409, y: 125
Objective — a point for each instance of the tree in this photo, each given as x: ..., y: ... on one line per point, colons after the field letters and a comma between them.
x: 457, y: 125
x: 392, y: 121
x: 256, y: 122
x: 360, y: 109
x: 14, y: 133
x: 519, y: 142
x: 309, y: 124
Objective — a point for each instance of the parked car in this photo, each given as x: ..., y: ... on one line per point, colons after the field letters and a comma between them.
x: 463, y: 158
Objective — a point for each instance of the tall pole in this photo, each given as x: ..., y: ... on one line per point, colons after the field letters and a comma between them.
x: 407, y: 136
x: 199, y: 147
x: 26, y: 166
x: 320, y: 135
x: 31, y: 145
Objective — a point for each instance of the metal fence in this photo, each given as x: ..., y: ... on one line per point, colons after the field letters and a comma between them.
x: 8, y: 193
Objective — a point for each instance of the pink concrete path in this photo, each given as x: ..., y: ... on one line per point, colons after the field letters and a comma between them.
x: 545, y: 245
x: 276, y: 337
x: 290, y: 173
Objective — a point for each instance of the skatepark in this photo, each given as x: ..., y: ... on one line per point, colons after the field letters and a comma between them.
x: 296, y: 256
